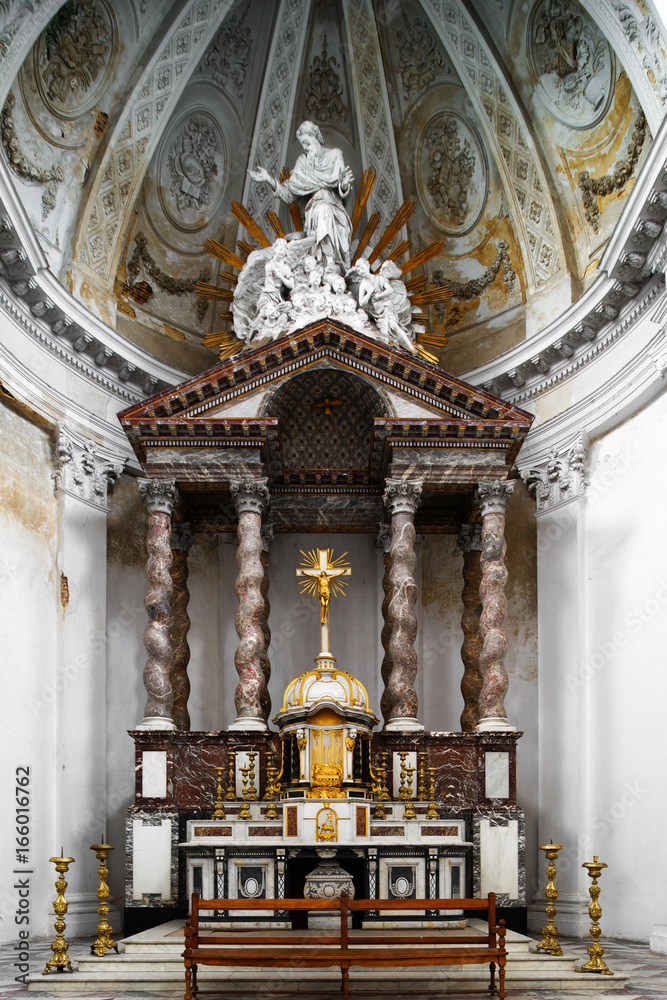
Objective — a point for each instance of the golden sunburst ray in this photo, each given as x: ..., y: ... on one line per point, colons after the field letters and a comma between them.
x: 402, y: 248
x: 436, y: 340
x: 428, y: 253
x: 276, y: 224
x: 432, y: 295
x: 365, y: 187
x: 426, y: 354
x: 245, y: 247
x: 241, y: 213
x: 207, y: 291
x: 233, y: 279
x: 414, y: 284
x: 371, y: 226
x: 405, y: 212
x: 222, y: 253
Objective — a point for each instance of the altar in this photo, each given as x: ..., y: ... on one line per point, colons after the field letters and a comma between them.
x: 327, y: 413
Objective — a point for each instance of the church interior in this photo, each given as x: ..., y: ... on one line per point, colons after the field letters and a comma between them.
x: 333, y: 349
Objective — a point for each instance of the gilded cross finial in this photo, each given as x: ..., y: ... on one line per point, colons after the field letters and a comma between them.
x: 323, y: 576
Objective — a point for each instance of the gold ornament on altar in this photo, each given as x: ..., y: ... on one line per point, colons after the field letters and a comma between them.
x: 103, y: 942
x: 323, y: 577
x: 61, y: 961
x: 595, y: 962
x: 549, y: 942
x: 219, y: 809
x: 230, y: 795
x: 271, y: 787
x: 432, y: 812
x: 326, y: 823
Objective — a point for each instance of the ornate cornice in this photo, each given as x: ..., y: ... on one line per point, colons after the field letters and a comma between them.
x: 250, y: 495
x: 83, y: 470
x: 402, y: 496
x: 494, y: 498
x: 561, y: 479
x: 470, y: 538
x: 160, y: 496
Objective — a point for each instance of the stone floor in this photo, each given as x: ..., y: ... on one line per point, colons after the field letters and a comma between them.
x: 647, y: 972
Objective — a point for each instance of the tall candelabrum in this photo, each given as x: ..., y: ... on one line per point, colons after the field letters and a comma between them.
x: 271, y: 789
x: 549, y: 942
x: 103, y: 942
x: 595, y: 961
x: 231, y: 776
x: 381, y: 793
x: 60, y: 962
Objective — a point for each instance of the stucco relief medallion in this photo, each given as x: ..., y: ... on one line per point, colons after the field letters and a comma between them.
x: 571, y: 62
x: 192, y: 171
x: 75, y: 56
x: 452, y: 172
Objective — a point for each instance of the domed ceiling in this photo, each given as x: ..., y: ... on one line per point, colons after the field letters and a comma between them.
x: 514, y: 126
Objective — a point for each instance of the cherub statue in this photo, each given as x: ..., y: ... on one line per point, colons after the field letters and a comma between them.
x: 277, y: 274
x: 258, y: 297
x: 319, y: 174
x: 385, y: 300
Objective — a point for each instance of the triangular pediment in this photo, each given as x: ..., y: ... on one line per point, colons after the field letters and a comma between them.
x: 326, y: 415
x: 247, y: 378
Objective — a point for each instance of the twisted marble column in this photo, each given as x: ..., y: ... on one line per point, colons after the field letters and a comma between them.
x: 383, y: 541
x: 160, y: 497
x: 182, y: 539
x: 250, y: 498
x: 470, y: 543
x: 492, y: 500
x: 267, y: 542
x: 401, y: 499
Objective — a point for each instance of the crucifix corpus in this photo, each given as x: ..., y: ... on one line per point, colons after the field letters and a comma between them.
x: 323, y: 576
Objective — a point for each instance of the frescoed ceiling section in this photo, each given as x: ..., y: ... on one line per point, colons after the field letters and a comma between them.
x: 512, y: 124
x: 585, y: 114
x: 198, y: 169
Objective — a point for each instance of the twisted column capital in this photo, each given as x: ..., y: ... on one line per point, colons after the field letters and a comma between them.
x: 402, y: 496
x: 250, y: 495
x: 182, y: 537
x: 159, y: 495
x: 470, y: 538
x: 494, y: 498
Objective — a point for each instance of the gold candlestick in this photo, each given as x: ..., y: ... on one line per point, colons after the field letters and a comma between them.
x: 231, y: 776
x: 595, y: 962
x: 409, y: 812
x: 549, y: 940
x: 270, y: 793
x: 252, y: 791
x: 244, y: 811
x: 421, y: 787
x: 60, y: 961
x: 219, y: 810
x: 103, y: 942
x: 381, y: 790
x: 402, y: 788
x: 432, y: 806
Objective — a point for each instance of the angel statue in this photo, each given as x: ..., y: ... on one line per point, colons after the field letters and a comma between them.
x: 264, y: 286
x: 320, y: 175
x: 385, y: 299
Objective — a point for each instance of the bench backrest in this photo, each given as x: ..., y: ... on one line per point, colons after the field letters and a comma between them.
x: 344, y: 905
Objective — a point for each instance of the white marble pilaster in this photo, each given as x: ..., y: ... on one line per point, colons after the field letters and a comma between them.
x: 563, y: 815
x: 83, y: 474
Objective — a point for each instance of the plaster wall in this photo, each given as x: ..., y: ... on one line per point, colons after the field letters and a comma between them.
x: 28, y: 625
x: 622, y: 676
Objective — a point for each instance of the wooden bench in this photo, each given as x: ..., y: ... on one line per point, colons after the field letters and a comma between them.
x: 344, y: 948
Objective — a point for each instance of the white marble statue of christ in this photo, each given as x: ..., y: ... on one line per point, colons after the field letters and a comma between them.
x: 320, y: 175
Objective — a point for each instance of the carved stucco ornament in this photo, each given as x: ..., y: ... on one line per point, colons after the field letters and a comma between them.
x: 562, y: 478
x: 324, y: 92
x: 419, y: 58
x: 24, y: 168
x: 452, y: 172
x: 571, y: 62
x: 229, y: 56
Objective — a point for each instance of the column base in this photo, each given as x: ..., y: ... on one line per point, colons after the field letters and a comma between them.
x: 157, y: 722
x: 493, y: 724
x: 404, y: 724
x: 254, y: 725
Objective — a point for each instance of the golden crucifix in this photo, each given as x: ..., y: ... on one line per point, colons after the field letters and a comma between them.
x: 323, y: 574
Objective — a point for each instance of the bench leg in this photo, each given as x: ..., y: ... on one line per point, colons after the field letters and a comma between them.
x: 188, y: 982
x: 345, y: 973
x: 195, y: 988
x: 492, y: 980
